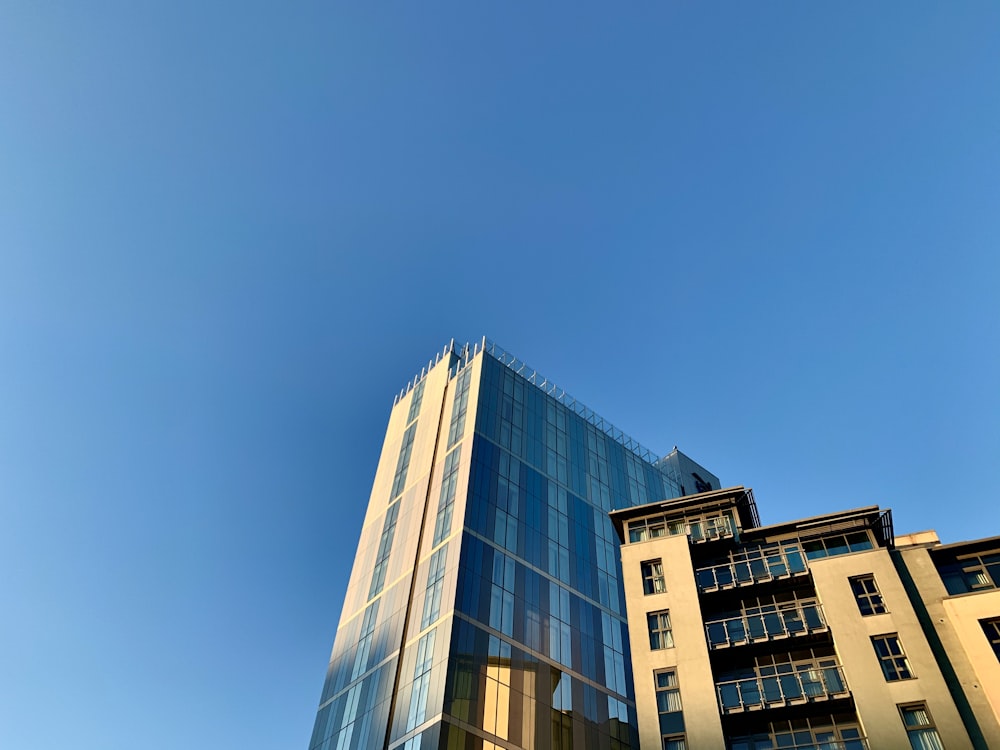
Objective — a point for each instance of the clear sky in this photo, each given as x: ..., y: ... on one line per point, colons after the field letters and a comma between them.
x: 768, y: 233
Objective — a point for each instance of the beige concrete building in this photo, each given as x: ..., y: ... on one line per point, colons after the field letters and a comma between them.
x: 802, y: 634
x: 956, y: 591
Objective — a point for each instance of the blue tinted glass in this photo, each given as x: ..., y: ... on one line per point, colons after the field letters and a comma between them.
x: 859, y: 542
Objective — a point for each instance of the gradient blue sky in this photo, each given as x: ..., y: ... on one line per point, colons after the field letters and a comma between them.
x: 766, y: 232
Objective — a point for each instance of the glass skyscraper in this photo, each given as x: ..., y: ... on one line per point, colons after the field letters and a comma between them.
x: 485, y: 607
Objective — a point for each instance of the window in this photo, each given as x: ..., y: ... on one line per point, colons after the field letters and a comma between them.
x: 837, y: 544
x: 637, y: 531
x: 978, y: 575
x: 660, y: 635
x: 963, y: 574
x: 459, y: 407
x: 992, y: 629
x: 403, y: 462
x: 867, y: 595
x: 668, y: 704
x: 668, y: 695
x: 840, y: 732
x: 652, y: 577
x: 891, y: 656
x: 418, y: 396
x: 920, y: 727
x: 698, y: 528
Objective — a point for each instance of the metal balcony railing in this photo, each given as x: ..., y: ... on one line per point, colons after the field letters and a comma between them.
x: 819, y: 743
x: 813, y: 683
x: 778, y: 563
x: 704, y: 530
x: 766, y: 623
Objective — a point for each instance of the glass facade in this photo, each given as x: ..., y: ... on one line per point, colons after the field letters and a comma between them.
x: 486, y: 604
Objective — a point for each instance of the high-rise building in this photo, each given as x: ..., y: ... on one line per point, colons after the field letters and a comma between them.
x: 485, y: 605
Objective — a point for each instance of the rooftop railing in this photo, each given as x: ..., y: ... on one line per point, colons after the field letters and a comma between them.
x: 465, y: 353
x: 577, y: 407
x: 766, y: 623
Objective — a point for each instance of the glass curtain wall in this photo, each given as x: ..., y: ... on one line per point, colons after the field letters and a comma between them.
x: 539, y: 646
x: 489, y: 610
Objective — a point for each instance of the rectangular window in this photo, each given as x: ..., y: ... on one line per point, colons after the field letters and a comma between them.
x: 446, y: 501
x: 920, y: 727
x: 829, y: 732
x: 867, y: 595
x: 890, y: 655
x: 652, y: 577
x: 981, y: 571
x: 365, y: 643
x: 674, y: 742
x: 967, y: 573
x: 403, y: 463
x: 660, y: 635
x: 459, y: 406
x: 432, y: 590
x: 637, y: 531
x: 991, y: 628
x: 837, y: 544
x: 698, y: 528
x: 418, y: 396
x: 668, y: 695
x: 384, y: 548
x: 421, y: 681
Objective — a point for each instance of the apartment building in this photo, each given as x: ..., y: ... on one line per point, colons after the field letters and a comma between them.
x: 956, y: 591
x: 795, y: 635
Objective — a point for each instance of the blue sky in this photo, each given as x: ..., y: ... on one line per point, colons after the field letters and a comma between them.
x: 229, y: 232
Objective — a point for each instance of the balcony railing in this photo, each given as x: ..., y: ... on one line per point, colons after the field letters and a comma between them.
x: 766, y: 623
x: 778, y: 563
x: 704, y: 530
x: 819, y: 743
x: 791, y: 688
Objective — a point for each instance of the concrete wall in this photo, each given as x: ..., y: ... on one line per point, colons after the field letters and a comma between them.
x: 876, y: 698
x: 411, y: 512
x: 955, y: 620
x: 689, y: 656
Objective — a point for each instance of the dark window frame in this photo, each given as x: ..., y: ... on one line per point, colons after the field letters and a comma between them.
x: 867, y: 595
x: 892, y: 657
x: 991, y: 629
x: 919, y: 731
x: 653, y: 581
x: 661, y: 632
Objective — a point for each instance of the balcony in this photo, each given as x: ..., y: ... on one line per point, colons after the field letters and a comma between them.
x: 698, y: 529
x: 807, y: 684
x: 820, y: 742
x: 771, y: 564
x: 708, y: 529
x: 766, y: 623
